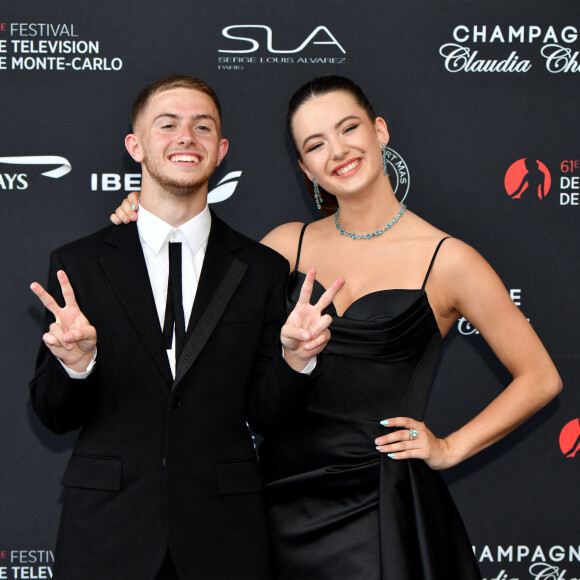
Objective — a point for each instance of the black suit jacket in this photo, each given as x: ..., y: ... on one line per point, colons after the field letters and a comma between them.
x: 162, y: 462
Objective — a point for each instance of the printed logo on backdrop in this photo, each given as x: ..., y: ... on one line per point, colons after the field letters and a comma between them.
x: 246, y: 45
x: 530, y: 179
x: 20, y: 180
x: 527, y: 176
x: 398, y: 174
x: 570, y: 439
x: 26, y: 564
x: 556, y: 562
x: 466, y: 328
x: 127, y: 182
x: 511, y: 49
x: 32, y: 46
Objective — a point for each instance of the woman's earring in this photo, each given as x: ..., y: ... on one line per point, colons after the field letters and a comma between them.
x: 317, y: 196
x: 384, y: 154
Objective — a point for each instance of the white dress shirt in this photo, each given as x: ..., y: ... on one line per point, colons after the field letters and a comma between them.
x: 155, y: 236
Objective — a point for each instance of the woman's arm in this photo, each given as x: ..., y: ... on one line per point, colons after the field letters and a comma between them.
x: 462, y: 283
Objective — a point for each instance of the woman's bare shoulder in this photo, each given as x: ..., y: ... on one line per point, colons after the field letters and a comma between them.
x: 419, y: 229
x: 284, y: 239
x: 453, y: 250
x: 456, y: 262
x: 459, y: 258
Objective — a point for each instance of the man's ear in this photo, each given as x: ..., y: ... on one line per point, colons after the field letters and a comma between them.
x: 222, y: 150
x: 134, y: 147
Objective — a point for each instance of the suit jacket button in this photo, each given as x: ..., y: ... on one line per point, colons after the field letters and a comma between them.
x: 176, y: 404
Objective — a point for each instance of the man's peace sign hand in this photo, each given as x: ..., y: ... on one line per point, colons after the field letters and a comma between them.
x: 71, y: 338
x: 306, y: 333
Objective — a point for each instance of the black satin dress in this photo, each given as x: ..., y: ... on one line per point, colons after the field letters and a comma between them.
x: 337, y: 508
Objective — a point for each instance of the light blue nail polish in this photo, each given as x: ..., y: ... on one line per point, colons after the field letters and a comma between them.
x: 391, y: 455
x: 133, y: 207
x: 385, y: 422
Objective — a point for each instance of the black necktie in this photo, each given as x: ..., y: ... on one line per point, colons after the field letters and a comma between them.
x: 174, y: 305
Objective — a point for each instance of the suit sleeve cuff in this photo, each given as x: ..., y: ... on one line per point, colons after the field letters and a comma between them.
x: 82, y: 375
x: 307, y: 370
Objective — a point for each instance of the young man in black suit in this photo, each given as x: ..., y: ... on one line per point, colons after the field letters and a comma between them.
x: 163, y: 481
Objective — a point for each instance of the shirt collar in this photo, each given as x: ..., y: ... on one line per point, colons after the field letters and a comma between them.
x: 154, y: 231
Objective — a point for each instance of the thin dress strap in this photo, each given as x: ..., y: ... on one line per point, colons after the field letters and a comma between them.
x: 299, y: 247
x: 433, y: 261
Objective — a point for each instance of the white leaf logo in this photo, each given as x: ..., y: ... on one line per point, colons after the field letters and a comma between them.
x: 64, y: 168
x: 225, y: 188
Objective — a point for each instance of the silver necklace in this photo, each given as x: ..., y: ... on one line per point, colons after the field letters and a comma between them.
x: 369, y: 236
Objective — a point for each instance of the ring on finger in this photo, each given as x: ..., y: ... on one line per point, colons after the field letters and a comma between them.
x: 413, y: 433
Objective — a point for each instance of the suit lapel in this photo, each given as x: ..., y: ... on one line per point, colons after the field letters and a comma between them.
x: 126, y: 270
x: 220, y: 276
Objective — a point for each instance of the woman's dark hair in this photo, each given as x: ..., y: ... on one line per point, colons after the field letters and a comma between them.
x: 316, y: 88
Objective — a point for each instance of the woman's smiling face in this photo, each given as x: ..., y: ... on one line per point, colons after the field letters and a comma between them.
x: 338, y: 144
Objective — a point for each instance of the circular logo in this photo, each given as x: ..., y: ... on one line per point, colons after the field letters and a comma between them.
x: 398, y: 174
x: 570, y: 438
x: 529, y: 176
x: 465, y: 327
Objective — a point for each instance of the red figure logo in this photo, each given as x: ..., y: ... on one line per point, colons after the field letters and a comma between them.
x: 570, y: 438
x: 527, y: 175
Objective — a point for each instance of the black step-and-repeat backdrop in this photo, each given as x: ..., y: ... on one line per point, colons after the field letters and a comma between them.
x: 483, y: 104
